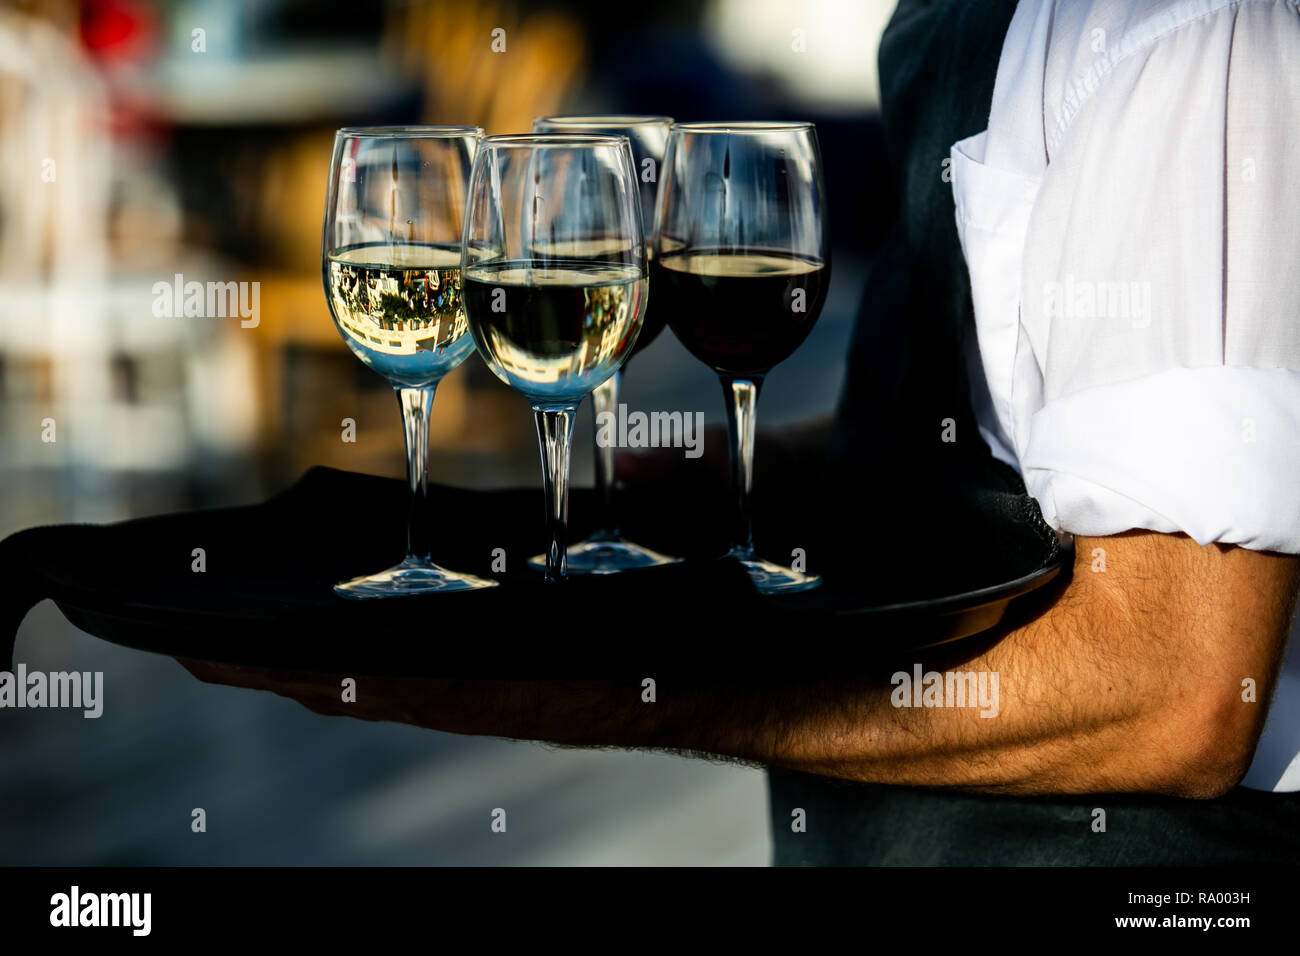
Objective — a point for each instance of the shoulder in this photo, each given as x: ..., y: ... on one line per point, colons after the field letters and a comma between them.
x: 1109, y: 46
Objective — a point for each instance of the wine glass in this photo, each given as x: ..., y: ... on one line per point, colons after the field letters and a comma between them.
x: 741, y: 269
x: 554, y: 261
x: 607, y: 551
x: 391, y: 268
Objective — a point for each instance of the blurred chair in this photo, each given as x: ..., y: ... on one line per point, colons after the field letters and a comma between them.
x: 450, y: 44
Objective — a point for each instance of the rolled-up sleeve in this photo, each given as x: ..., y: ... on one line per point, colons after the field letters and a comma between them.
x: 1160, y: 299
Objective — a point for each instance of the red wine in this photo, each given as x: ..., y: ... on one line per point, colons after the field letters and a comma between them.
x: 740, y: 312
x: 652, y: 323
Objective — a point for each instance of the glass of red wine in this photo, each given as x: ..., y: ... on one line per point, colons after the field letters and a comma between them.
x: 741, y: 269
x: 606, y: 551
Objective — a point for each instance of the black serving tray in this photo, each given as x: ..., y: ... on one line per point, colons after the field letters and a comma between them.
x: 265, y: 598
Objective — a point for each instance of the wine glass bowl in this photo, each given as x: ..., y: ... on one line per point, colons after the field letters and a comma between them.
x: 555, y: 308
x: 390, y: 264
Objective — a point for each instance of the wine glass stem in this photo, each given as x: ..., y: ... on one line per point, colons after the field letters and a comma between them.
x: 416, y: 405
x: 555, y: 436
x: 741, y: 396
x: 605, y: 399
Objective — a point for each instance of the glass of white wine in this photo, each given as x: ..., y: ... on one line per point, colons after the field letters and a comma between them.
x: 555, y: 277
x: 390, y: 262
x: 607, y: 551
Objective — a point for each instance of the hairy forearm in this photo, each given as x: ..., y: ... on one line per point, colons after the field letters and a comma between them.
x: 1123, y: 684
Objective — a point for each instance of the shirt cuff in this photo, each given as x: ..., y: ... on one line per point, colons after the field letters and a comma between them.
x: 1213, y: 452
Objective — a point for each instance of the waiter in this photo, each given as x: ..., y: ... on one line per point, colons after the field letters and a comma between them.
x: 1096, y: 276
x: 1099, y: 214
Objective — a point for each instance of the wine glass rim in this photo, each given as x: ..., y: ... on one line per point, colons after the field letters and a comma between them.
x: 598, y: 120
x: 547, y: 140
x: 393, y: 132
x: 745, y: 126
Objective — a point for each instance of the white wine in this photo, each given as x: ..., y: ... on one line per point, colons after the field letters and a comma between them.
x: 400, y: 309
x: 605, y: 247
x: 555, y: 329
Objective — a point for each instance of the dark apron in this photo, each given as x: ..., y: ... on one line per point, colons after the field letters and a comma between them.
x: 907, y: 372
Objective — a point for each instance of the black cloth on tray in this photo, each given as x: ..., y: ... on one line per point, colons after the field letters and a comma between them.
x: 264, y: 596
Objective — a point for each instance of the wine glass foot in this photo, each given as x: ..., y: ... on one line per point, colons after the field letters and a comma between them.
x: 607, y: 554
x: 769, y: 578
x: 412, y: 576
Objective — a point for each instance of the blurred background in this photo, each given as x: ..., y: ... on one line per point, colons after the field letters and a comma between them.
x: 140, y: 139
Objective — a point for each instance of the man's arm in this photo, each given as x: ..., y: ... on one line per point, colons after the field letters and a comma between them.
x: 1131, y: 681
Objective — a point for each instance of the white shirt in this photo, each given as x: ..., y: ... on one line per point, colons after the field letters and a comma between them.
x: 1131, y: 224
